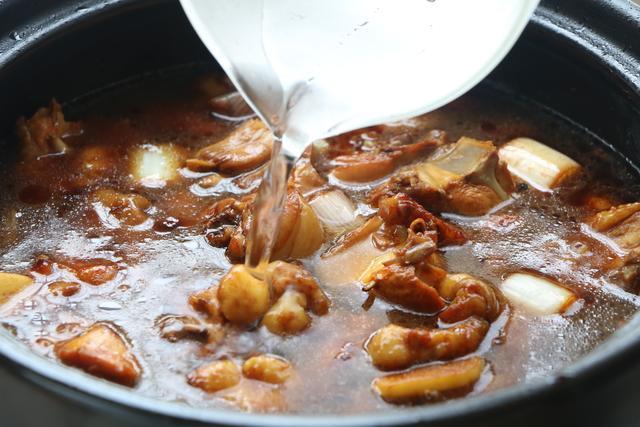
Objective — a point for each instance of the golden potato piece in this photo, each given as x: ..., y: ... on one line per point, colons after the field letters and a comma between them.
x: 102, y: 352
x: 215, y: 376
x: 270, y: 369
x: 243, y: 298
x: 288, y: 315
x: 431, y: 381
x: 11, y: 284
x: 396, y: 347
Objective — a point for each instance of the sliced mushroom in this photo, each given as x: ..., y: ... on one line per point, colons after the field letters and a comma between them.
x: 246, y: 148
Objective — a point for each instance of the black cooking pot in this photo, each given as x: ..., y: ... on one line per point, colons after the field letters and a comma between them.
x: 578, y: 58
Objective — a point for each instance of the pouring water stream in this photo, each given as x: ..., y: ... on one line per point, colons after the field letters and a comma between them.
x: 313, y: 69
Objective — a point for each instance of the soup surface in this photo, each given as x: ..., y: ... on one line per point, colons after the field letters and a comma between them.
x: 419, y: 261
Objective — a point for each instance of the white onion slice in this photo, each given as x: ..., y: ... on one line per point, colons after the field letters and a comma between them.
x: 336, y: 211
x: 537, y: 164
x: 536, y: 294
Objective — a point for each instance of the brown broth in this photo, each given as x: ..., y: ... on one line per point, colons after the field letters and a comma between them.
x: 47, y: 211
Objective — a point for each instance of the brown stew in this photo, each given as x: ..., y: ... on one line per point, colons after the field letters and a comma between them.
x: 439, y: 257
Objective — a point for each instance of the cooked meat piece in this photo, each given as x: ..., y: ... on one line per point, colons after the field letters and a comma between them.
x: 353, y: 159
x: 283, y: 276
x: 44, y: 133
x: 288, y: 315
x: 467, y: 178
x: 270, y: 369
x: 400, y: 209
x: 433, y: 382
x: 206, y: 302
x: 94, y: 271
x: 115, y: 208
x: 304, y: 177
x: 467, y: 297
x: 394, y: 347
x: 63, y: 288
x: 247, y: 147
x: 399, y: 284
x: 227, y: 223
x: 215, y: 376
x: 102, y: 352
x: 174, y: 328
x: 621, y: 225
x: 243, y: 298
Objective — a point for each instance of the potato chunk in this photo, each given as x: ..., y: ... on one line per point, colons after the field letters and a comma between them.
x: 430, y: 382
x: 11, y: 284
x: 215, y: 376
x: 115, y: 208
x: 102, y: 352
x: 247, y: 147
x: 288, y: 315
x: 43, y: 133
x: 396, y: 347
x: 270, y: 369
x: 243, y: 298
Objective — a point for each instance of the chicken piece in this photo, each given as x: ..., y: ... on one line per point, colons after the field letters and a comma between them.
x: 467, y: 297
x: 246, y: 148
x: 467, y: 178
x: 102, y: 352
x: 282, y: 276
x: 431, y: 382
x: 399, y: 284
x: 288, y: 316
x: 11, y: 284
x: 206, y: 302
x: 394, y: 347
x: 227, y: 223
x: 115, y: 208
x: 402, y: 210
x: 270, y: 369
x: 94, y: 271
x: 243, y: 298
x: 366, y: 160
x: 537, y: 164
x: 621, y: 225
x: 64, y: 288
x: 304, y: 178
x: 175, y: 328
x: 44, y: 133
x: 215, y: 376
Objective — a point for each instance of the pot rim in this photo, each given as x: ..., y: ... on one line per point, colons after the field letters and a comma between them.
x: 610, y: 357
